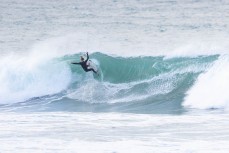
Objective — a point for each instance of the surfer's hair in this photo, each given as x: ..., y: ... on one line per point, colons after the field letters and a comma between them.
x: 81, y: 57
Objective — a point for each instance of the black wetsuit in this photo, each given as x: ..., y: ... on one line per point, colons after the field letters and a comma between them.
x: 85, y: 66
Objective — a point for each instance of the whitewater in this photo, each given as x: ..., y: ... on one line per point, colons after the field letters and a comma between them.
x: 163, y: 84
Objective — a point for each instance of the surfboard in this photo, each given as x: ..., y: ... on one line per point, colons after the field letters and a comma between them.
x: 95, y: 65
x: 92, y: 65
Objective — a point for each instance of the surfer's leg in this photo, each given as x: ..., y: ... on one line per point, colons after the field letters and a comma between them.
x: 91, y: 69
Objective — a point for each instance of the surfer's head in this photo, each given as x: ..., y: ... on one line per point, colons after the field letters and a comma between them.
x: 81, y: 58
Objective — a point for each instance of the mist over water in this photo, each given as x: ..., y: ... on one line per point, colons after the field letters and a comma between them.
x: 118, y: 27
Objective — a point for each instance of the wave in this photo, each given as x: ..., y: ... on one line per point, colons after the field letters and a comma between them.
x: 132, y: 84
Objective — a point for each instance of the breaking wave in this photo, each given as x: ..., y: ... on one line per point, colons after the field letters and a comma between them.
x: 143, y: 83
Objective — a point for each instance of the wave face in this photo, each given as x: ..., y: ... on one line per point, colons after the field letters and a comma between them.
x: 127, y: 84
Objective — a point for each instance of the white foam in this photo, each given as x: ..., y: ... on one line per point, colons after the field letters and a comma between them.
x: 23, y: 77
x: 211, y: 88
x: 69, y: 132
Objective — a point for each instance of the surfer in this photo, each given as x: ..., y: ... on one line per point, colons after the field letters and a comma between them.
x: 84, y: 64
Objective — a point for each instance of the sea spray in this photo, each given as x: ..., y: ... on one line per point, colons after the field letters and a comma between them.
x: 22, y: 79
x: 211, y: 88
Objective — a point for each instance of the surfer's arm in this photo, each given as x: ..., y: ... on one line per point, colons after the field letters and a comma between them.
x: 75, y: 63
x: 87, y: 57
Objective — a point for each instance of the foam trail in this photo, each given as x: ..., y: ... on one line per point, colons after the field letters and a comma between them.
x: 211, y: 88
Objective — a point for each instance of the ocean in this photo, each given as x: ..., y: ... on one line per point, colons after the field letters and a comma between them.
x: 163, y: 76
